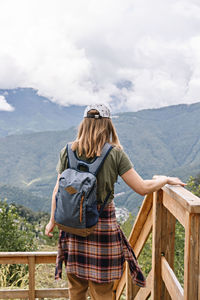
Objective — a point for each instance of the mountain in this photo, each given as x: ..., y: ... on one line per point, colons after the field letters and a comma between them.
x: 158, y: 141
x: 29, y: 160
x: 13, y: 194
x: 33, y: 113
x: 169, y: 136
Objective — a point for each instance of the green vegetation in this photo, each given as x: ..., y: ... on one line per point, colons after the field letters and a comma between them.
x: 194, y: 185
x: 179, y: 252
x: 21, y: 230
x: 16, y: 234
x: 20, y: 196
x: 127, y: 226
x: 146, y: 256
x: 28, y: 161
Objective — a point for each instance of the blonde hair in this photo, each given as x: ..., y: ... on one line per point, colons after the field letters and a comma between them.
x: 93, y: 134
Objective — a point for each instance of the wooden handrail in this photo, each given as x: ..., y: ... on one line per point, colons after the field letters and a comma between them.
x: 158, y: 213
x: 185, y: 198
x: 31, y: 258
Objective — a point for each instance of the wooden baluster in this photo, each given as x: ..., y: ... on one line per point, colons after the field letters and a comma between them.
x: 131, y: 288
x: 129, y: 285
x: 31, y: 266
x: 156, y: 246
x: 191, y: 257
x: 167, y: 243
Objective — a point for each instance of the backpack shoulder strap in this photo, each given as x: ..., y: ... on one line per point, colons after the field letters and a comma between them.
x: 71, y: 156
x: 93, y: 167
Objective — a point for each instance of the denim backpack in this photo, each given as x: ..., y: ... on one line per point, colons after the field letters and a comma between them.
x: 76, y: 200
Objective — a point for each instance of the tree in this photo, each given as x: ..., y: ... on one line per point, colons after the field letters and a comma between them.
x: 193, y: 185
x: 15, y: 235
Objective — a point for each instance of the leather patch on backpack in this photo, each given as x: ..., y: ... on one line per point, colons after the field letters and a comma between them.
x: 71, y: 190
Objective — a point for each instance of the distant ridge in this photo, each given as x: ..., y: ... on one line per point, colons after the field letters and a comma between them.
x: 35, y: 113
x: 24, y: 197
x: 163, y: 141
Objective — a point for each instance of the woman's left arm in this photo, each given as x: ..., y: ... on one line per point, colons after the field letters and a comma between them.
x: 50, y: 226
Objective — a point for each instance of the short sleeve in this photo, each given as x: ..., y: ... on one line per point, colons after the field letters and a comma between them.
x: 62, y: 162
x: 124, y: 163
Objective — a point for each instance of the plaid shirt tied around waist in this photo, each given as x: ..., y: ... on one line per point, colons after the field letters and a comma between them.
x: 101, y: 255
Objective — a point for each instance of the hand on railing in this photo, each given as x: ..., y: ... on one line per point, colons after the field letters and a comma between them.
x: 175, y: 181
x: 171, y: 180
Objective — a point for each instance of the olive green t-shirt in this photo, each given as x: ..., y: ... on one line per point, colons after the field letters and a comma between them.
x: 116, y: 163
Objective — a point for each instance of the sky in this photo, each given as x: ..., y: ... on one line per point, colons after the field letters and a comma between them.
x: 130, y: 54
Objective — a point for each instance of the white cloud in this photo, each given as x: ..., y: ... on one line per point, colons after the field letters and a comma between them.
x: 4, y: 105
x: 186, y: 9
x: 79, y: 52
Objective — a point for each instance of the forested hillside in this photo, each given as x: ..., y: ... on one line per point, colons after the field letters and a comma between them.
x: 158, y: 141
x: 13, y: 194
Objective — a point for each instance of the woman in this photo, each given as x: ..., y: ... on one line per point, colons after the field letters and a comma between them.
x: 97, y: 260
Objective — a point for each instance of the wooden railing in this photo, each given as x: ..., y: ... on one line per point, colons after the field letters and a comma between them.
x: 158, y: 214
x: 31, y: 258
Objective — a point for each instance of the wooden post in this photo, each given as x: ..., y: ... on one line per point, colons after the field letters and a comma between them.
x: 156, y: 245
x: 167, y: 244
x: 31, y: 266
x: 191, y: 257
x: 114, y: 295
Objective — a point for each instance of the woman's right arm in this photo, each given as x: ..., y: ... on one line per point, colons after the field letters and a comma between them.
x: 143, y: 187
x: 50, y: 226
